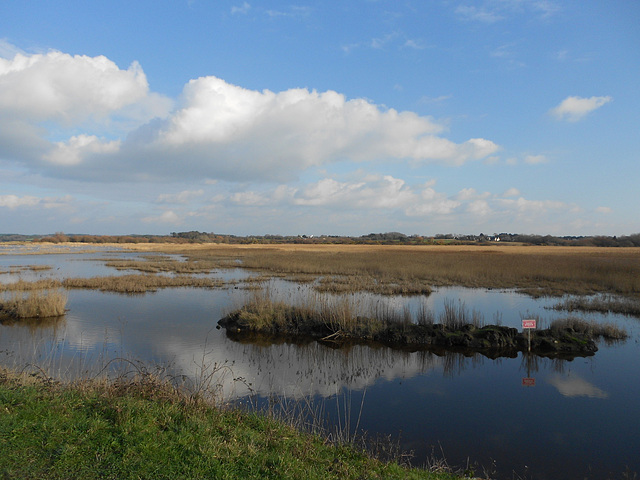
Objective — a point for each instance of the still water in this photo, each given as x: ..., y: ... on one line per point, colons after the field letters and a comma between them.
x: 575, y: 419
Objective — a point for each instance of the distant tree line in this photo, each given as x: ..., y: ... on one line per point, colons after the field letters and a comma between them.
x: 388, y: 238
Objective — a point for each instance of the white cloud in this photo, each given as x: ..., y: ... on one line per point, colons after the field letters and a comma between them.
x: 512, y: 192
x: 73, y: 151
x: 166, y: 217
x: 573, y: 109
x: 14, y: 201
x: 604, y: 210
x: 61, y: 87
x: 535, y: 159
x: 243, y: 9
x: 532, y: 207
x: 234, y: 133
x: 117, y: 129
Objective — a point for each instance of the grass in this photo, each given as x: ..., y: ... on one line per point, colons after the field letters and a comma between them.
x: 533, y: 270
x: 33, y: 303
x: 603, y: 304
x: 150, y: 430
x: 606, y: 331
x: 116, y: 283
x: 140, y: 283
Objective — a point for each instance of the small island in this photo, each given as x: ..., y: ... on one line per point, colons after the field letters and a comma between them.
x: 567, y: 338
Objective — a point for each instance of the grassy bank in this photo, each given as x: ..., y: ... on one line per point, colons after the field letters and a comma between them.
x: 146, y: 429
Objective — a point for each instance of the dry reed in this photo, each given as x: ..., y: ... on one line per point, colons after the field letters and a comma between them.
x: 534, y: 270
x: 34, y: 304
x: 140, y: 283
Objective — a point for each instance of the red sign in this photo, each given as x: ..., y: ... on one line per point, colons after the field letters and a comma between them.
x: 528, y: 382
x: 528, y: 324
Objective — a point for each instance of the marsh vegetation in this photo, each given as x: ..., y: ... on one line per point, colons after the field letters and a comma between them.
x: 536, y: 271
x: 33, y: 303
x: 346, y: 321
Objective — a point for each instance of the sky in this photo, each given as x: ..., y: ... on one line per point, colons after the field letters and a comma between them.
x: 331, y: 117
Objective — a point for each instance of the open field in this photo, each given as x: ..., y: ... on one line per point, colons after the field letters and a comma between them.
x: 534, y: 270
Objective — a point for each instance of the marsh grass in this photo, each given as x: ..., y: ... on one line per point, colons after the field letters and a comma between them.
x: 607, y: 331
x: 603, y: 304
x: 537, y: 271
x: 33, y: 303
x: 140, y: 283
x: 117, y: 283
x: 345, y: 316
x: 158, y: 264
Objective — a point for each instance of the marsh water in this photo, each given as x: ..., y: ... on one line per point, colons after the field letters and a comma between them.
x: 524, y: 417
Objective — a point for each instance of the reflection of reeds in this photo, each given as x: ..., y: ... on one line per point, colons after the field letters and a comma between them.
x: 34, y: 304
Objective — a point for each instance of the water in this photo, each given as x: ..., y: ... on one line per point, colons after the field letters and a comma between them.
x: 579, y: 420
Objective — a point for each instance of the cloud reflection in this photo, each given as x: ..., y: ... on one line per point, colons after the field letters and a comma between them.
x: 574, y: 386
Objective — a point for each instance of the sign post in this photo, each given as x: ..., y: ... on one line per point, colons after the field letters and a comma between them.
x: 528, y: 324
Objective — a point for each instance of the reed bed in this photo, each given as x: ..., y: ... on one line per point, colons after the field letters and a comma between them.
x: 603, y: 304
x: 34, y: 303
x: 346, y: 316
x: 156, y: 264
x: 23, y: 285
x: 537, y: 271
x: 606, y: 331
x: 140, y: 283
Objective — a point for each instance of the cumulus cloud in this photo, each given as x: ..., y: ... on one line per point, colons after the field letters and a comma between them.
x: 233, y: 133
x: 66, y: 88
x: 217, y: 131
x: 573, y: 109
x: 73, y: 151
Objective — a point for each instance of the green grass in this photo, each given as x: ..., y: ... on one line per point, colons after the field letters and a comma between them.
x: 151, y: 431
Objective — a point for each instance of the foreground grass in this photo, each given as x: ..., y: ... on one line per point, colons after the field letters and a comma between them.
x: 149, y: 430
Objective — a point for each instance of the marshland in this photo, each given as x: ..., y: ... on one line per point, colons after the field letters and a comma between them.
x: 160, y: 305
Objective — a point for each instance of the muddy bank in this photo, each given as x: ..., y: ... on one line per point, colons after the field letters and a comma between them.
x: 490, y: 340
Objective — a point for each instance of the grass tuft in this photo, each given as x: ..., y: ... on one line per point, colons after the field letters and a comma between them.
x: 34, y: 304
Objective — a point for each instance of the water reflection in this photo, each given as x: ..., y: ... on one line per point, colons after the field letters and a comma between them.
x: 574, y: 386
x: 472, y: 405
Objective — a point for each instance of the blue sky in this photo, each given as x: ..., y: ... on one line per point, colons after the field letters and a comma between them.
x: 334, y: 117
